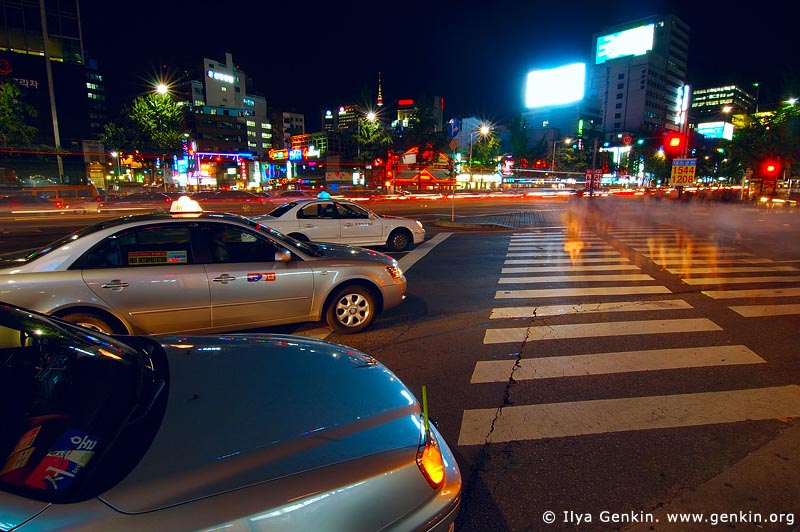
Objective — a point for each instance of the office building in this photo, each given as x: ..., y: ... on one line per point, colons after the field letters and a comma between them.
x: 638, y: 75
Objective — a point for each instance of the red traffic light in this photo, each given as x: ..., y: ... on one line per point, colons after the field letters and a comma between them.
x: 770, y: 168
x: 675, y: 141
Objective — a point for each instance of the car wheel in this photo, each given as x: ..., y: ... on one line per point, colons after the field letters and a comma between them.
x: 399, y: 240
x: 351, y: 310
x: 89, y: 321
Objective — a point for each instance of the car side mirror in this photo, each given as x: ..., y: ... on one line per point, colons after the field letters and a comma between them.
x: 283, y: 255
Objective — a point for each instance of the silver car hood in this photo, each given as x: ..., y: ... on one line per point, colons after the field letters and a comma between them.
x: 246, y: 409
x: 346, y: 251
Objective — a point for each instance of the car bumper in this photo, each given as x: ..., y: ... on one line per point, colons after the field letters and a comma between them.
x: 394, y: 294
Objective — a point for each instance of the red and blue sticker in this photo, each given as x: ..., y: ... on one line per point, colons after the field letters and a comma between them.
x: 261, y: 276
x: 64, y: 461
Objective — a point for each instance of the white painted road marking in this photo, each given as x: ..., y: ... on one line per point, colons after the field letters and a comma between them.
x: 560, y: 310
x: 576, y: 292
x: 594, y: 330
x: 606, y: 363
x: 558, y: 420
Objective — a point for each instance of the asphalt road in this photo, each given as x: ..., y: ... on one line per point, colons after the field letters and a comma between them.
x: 607, y: 365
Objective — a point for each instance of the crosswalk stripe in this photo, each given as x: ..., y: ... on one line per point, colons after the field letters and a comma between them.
x: 733, y: 269
x: 561, y: 254
x: 758, y: 311
x: 594, y: 278
x: 594, y: 330
x: 606, y: 363
x: 681, y: 261
x: 756, y: 292
x: 596, y: 268
x: 557, y: 420
x: 565, y: 260
x: 561, y: 310
x: 577, y: 292
x: 740, y: 280
x: 695, y: 253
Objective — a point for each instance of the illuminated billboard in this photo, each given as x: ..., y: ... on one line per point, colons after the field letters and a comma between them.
x: 555, y: 86
x: 716, y: 130
x: 635, y: 41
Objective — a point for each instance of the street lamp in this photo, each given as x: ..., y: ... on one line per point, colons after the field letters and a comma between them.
x: 115, y: 155
x: 484, y: 131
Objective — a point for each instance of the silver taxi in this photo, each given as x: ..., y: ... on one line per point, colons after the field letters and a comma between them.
x: 199, y: 272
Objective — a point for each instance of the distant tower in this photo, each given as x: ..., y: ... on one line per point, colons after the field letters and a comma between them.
x: 380, y: 93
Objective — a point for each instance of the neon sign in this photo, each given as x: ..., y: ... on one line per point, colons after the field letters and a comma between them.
x: 279, y: 155
x: 635, y: 41
x: 220, y: 76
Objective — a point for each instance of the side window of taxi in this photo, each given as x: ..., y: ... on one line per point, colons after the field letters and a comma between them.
x: 231, y: 243
x: 151, y: 245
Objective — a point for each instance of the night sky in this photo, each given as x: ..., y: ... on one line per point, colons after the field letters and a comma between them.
x: 475, y: 54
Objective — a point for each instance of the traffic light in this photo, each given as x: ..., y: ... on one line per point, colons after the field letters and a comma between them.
x: 675, y: 142
x: 771, y: 169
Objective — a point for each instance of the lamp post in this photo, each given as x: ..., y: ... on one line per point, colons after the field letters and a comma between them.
x: 163, y: 90
x: 115, y: 155
x: 484, y: 130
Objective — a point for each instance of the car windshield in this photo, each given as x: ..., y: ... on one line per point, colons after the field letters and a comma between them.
x: 277, y: 212
x: 66, y: 393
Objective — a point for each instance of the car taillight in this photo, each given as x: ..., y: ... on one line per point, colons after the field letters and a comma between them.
x: 430, y: 462
x: 59, y: 205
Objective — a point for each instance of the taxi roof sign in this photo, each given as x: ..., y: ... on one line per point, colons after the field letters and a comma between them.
x: 186, y: 206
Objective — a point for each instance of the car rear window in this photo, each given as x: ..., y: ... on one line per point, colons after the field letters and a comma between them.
x: 64, y: 397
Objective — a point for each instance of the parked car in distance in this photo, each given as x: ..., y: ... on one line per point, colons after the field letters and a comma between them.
x: 346, y: 222
x: 236, y: 200
x: 199, y: 272
x: 288, y: 194
x: 27, y: 204
x: 140, y: 202
x: 133, y: 433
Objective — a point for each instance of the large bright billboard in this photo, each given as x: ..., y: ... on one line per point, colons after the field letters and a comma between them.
x: 716, y: 130
x: 635, y: 41
x: 555, y: 86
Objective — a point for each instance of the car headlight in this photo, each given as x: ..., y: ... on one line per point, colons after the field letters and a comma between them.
x: 395, y: 272
x: 419, y: 224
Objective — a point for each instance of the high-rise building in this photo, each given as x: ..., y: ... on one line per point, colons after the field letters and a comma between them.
x: 716, y: 103
x: 76, y: 84
x: 639, y: 75
x: 229, y: 116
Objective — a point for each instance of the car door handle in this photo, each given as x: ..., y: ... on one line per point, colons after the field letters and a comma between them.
x: 224, y: 278
x: 116, y: 285
x: 348, y: 224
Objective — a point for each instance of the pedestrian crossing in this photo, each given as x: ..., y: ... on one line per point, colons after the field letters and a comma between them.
x: 550, y: 277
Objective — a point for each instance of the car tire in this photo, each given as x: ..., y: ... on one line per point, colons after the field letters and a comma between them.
x: 90, y: 321
x: 351, y: 310
x: 399, y: 240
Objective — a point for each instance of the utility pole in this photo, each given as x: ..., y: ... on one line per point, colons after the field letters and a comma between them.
x: 56, y: 137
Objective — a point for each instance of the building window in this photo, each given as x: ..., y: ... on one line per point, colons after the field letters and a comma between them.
x: 619, y: 96
x: 621, y: 76
x: 617, y: 115
x: 618, y: 106
x: 620, y: 85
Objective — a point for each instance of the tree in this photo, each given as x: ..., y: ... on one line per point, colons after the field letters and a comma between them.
x: 152, y: 124
x: 14, y: 113
x: 373, y: 140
